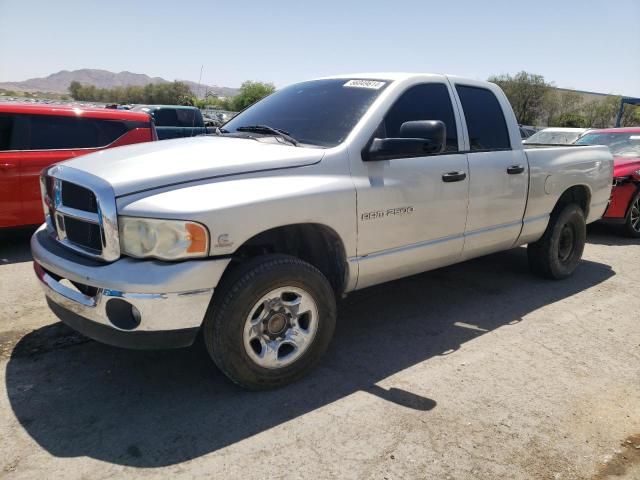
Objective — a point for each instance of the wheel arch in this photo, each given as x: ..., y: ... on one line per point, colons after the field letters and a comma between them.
x: 578, y: 194
x: 314, y: 243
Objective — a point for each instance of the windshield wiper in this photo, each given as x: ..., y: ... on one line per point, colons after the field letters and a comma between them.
x: 268, y: 130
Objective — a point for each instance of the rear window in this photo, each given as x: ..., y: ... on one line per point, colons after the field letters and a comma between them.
x: 44, y: 132
x: 485, y: 121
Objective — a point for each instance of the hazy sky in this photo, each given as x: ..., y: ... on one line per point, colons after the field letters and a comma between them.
x: 587, y: 45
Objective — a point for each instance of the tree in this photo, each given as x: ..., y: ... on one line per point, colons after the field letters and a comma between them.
x: 573, y: 120
x: 562, y: 107
x: 250, y: 93
x: 630, y: 116
x: 175, y: 93
x: 526, y: 92
x: 601, y: 113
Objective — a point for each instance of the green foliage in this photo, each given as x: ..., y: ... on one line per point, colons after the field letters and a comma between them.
x: 176, y: 93
x: 536, y: 103
x: 213, y: 103
x: 630, y: 116
x: 601, y: 113
x: 250, y: 93
x: 573, y: 120
x: 526, y: 92
x: 561, y: 107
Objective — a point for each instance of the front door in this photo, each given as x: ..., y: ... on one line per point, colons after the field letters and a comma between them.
x: 412, y: 211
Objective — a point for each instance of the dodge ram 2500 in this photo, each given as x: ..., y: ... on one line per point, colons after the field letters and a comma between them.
x: 320, y: 189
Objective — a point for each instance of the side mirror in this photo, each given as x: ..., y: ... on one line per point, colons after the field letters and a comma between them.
x: 417, y: 138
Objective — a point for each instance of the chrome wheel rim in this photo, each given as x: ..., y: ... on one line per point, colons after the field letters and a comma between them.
x: 280, y: 327
x: 634, y: 215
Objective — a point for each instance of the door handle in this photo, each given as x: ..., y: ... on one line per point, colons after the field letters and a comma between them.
x: 515, y: 169
x: 7, y: 166
x: 453, y: 177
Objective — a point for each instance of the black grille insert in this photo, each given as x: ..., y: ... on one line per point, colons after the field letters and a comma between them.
x: 78, y: 197
x: 83, y: 234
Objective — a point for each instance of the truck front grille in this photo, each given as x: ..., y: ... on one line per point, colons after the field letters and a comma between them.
x: 80, y: 212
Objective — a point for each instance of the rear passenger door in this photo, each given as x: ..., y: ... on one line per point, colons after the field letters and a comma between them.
x: 499, y: 174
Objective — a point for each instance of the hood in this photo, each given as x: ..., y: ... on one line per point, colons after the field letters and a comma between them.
x: 625, y: 166
x: 151, y: 165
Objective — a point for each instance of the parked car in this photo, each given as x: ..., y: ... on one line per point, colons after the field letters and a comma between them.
x: 174, y: 121
x: 251, y: 235
x: 555, y: 136
x: 624, y: 143
x: 33, y: 137
x: 526, y: 131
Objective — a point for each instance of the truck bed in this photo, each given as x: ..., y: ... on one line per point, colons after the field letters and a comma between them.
x: 555, y: 168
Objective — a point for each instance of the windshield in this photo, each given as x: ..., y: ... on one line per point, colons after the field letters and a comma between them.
x: 553, y: 138
x: 321, y: 112
x: 620, y: 144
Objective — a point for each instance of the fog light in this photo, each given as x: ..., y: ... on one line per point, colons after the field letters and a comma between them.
x: 122, y: 314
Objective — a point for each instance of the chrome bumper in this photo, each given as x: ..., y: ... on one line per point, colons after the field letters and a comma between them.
x: 149, y: 289
x: 156, y: 311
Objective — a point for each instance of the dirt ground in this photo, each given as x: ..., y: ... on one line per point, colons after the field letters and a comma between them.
x: 476, y: 371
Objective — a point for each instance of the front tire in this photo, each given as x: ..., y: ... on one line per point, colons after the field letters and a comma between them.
x: 558, y: 253
x: 270, y: 321
x: 632, y: 223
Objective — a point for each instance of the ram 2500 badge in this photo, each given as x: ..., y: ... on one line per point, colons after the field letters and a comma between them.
x: 320, y: 189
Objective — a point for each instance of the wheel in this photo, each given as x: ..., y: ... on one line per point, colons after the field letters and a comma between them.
x: 632, y: 223
x: 270, y: 321
x: 557, y: 254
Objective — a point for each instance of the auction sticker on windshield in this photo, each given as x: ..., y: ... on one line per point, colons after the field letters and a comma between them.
x: 372, y: 84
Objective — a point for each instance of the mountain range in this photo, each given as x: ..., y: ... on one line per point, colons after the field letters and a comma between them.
x: 59, y: 82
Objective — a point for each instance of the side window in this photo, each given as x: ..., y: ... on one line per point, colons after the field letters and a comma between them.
x: 186, y: 118
x: 56, y: 133
x: 166, y: 117
x: 485, y: 120
x: 430, y: 101
x: 6, y: 129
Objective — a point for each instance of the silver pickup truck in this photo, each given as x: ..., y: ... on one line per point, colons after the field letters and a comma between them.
x: 322, y: 188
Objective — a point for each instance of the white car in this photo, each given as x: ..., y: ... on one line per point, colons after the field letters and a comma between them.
x: 556, y: 136
x: 320, y: 189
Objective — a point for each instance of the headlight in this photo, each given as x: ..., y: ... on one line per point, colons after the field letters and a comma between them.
x: 163, y: 239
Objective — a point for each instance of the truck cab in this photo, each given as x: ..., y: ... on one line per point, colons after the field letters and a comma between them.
x: 174, y: 121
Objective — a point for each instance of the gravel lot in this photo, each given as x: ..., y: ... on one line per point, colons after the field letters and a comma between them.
x: 476, y: 371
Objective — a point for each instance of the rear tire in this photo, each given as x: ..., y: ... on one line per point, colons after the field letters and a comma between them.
x: 558, y: 253
x: 270, y: 321
x: 632, y: 223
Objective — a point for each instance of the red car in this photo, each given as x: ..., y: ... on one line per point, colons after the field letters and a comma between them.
x: 33, y: 137
x: 624, y: 143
